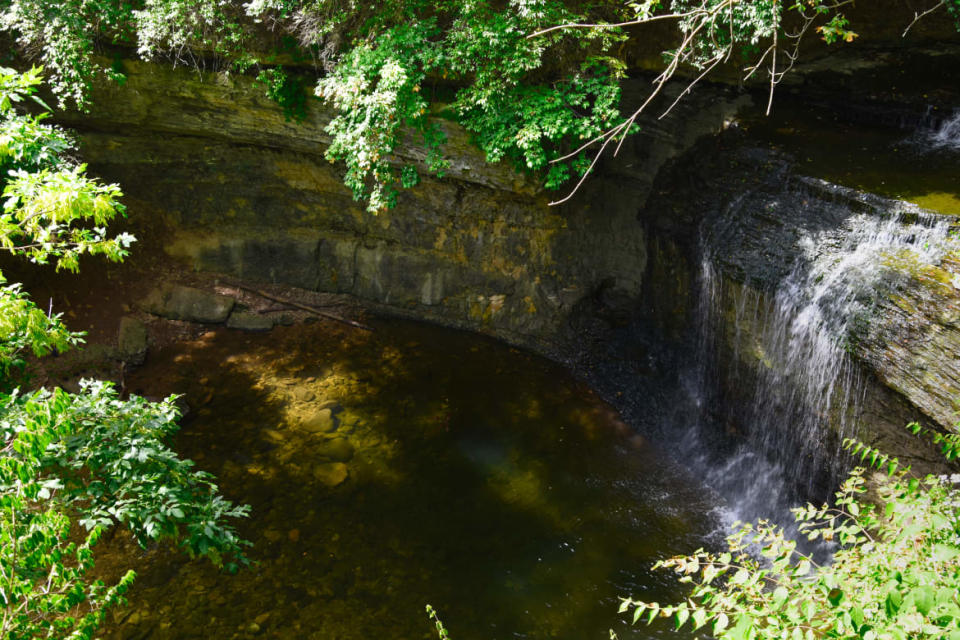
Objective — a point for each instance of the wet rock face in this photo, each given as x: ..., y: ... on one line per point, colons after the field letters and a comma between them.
x: 826, y: 306
x: 912, y: 341
x: 232, y: 187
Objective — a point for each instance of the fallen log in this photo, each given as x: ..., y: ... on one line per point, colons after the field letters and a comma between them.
x: 304, y: 307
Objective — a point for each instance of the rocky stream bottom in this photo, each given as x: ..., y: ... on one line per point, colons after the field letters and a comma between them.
x: 407, y: 465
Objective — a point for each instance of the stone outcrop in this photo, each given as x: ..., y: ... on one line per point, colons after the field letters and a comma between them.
x: 178, y: 302
x: 912, y: 340
x: 249, y: 321
x: 226, y: 184
x: 132, y: 340
x: 772, y: 229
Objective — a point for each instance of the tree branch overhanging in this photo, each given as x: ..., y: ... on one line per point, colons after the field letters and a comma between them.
x: 710, y: 33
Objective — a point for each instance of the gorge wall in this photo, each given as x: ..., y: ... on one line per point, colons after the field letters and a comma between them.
x: 217, y: 179
x: 228, y: 185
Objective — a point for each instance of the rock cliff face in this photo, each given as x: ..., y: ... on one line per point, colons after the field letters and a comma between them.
x: 228, y: 185
x: 222, y: 182
x: 825, y: 310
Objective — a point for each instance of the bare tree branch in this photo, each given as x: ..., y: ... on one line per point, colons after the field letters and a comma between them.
x: 917, y: 16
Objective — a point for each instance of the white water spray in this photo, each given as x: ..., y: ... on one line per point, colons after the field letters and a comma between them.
x: 942, y: 134
x: 788, y: 355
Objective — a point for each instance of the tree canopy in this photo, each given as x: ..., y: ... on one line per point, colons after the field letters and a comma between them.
x: 536, y: 82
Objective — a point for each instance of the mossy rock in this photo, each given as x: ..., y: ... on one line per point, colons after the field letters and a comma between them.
x: 331, y: 474
x: 336, y: 449
x: 178, y: 302
x: 249, y: 321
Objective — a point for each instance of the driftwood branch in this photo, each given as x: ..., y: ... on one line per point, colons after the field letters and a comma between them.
x: 303, y: 307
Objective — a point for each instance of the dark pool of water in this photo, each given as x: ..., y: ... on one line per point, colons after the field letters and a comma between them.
x: 405, y: 466
x: 889, y: 162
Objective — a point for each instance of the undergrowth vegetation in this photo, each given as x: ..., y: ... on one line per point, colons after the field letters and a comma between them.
x: 74, y: 465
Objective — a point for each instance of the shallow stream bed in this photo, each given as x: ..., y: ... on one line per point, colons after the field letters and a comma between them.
x: 405, y: 466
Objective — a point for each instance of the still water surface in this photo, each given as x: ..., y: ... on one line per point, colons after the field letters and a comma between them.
x: 405, y: 466
x: 892, y: 163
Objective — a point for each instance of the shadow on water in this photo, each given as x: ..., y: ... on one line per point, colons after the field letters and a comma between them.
x: 893, y: 163
x: 408, y: 465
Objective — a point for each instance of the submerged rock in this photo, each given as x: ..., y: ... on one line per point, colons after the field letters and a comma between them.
x: 322, y: 421
x: 178, y: 302
x: 336, y: 449
x: 331, y: 474
x: 249, y: 321
x: 304, y: 394
x: 132, y: 340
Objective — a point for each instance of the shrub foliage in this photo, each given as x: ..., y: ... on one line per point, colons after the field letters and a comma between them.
x: 894, y: 572
x: 73, y: 465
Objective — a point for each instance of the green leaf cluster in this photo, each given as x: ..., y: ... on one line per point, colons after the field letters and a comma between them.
x: 513, y: 106
x: 894, y: 574
x: 102, y: 461
x: 50, y: 211
x: 86, y: 461
x: 384, y: 63
x: 287, y: 90
x: 25, y: 329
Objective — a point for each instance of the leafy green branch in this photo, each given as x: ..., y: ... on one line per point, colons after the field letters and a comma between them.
x: 710, y: 33
x: 894, y: 573
x: 92, y: 457
x: 24, y: 328
x: 441, y: 630
x: 949, y: 442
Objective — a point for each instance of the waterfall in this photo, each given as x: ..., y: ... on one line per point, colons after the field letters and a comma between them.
x: 940, y: 133
x: 774, y: 370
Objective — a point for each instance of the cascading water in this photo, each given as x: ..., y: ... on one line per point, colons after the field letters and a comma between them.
x: 786, y: 387
x: 941, y: 134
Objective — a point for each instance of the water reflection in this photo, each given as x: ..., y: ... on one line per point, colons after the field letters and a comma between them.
x: 918, y: 168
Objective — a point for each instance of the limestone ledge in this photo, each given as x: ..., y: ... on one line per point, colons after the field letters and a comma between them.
x: 215, y: 176
x: 230, y: 107
x: 414, y: 282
